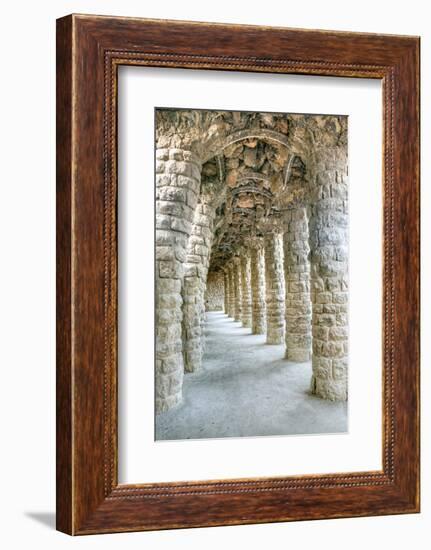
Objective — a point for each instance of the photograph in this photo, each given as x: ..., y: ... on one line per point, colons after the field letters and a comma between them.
x: 251, y: 273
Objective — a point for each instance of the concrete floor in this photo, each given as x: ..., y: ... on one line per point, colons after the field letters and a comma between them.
x: 247, y: 388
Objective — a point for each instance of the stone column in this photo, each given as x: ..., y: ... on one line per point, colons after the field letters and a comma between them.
x: 231, y: 302
x: 245, y: 288
x: 275, y: 290
x: 297, y: 278
x: 329, y: 271
x: 226, y: 290
x: 257, y: 264
x: 237, y: 286
x: 196, y: 271
x: 177, y: 187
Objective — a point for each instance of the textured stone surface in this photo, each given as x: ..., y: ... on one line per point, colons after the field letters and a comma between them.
x: 195, y: 280
x: 174, y: 215
x: 329, y: 271
x: 226, y: 291
x: 297, y: 279
x: 275, y: 288
x: 257, y: 265
x: 226, y: 181
x: 237, y: 288
x: 245, y: 289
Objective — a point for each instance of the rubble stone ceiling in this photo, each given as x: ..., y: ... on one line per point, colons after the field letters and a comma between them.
x: 261, y: 179
x: 254, y: 165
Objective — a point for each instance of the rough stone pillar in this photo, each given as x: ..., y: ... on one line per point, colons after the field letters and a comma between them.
x: 231, y: 299
x: 177, y: 186
x: 245, y: 288
x: 196, y: 271
x: 257, y: 264
x: 297, y: 278
x: 275, y: 290
x: 237, y: 286
x: 226, y: 290
x: 329, y: 271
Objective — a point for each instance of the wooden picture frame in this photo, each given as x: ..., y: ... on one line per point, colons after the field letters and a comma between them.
x: 89, y: 51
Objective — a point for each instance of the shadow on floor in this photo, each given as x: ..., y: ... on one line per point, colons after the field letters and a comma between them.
x: 44, y: 518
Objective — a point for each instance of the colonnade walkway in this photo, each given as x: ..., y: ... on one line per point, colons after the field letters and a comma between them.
x: 247, y: 388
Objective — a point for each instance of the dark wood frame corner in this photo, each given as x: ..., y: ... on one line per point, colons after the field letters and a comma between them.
x: 89, y: 51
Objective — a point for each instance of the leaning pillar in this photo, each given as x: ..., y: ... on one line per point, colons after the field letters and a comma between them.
x: 297, y: 279
x: 245, y: 288
x: 175, y: 207
x: 274, y: 277
x: 257, y: 264
x: 329, y: 272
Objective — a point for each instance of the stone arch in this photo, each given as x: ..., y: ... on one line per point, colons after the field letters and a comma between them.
x: 215, y: 146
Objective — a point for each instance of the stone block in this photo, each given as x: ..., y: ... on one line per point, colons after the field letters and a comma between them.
x: 162, y: 154
x: 176, y: 154
x: 338, y: 333
x: 341, y: 319
x: 170, y: 269
x: 340, y: 297
x: 181, y: 225
x: 339, y: 369
x: 164, y: 236
x: 160, y: 167
x: 324, y: 320
x: 300, y: 286
x: 323, y: 298
x: 322, y: 333
x: 162, y: 222
x: 163, y: 180
x: 332, y: 349
x: 173, y: 194
x: 178, y: 167
x: 165, y: 253
x: 168, y: 286
x: 333, y: 390
x: 298, y: 355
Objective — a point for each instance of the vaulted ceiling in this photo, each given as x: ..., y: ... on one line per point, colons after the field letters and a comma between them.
x: 254, y: 166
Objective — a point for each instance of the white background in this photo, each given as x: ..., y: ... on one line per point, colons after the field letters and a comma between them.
x: 27, y: 276
x: 141, y: 458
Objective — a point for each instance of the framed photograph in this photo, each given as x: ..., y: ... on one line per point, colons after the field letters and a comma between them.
x: 237, y: 274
